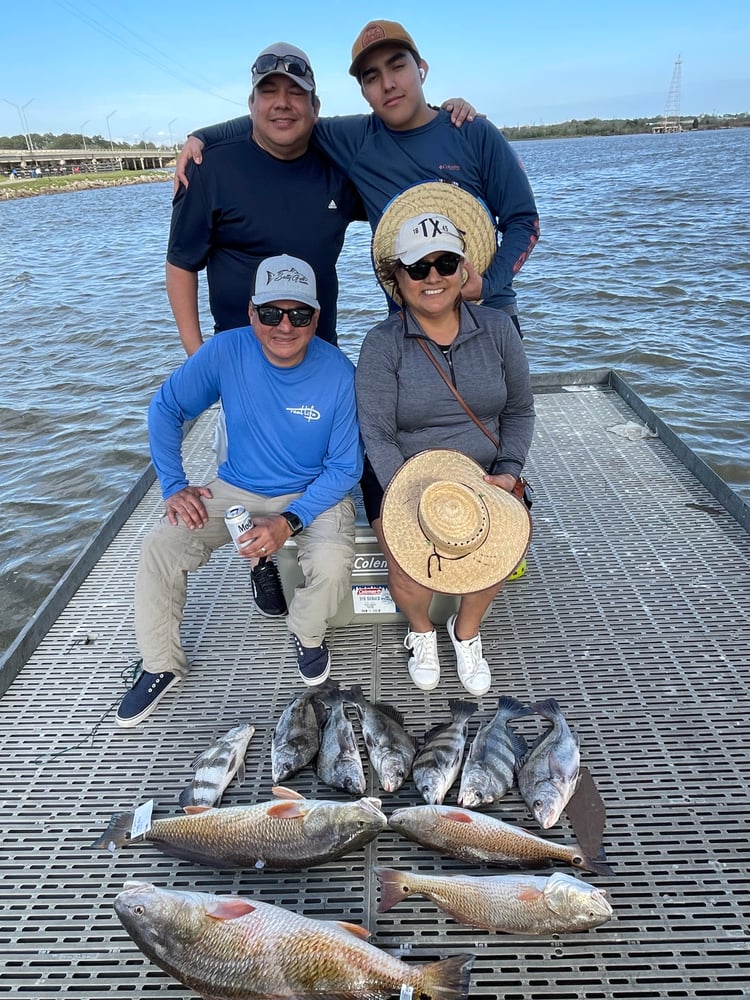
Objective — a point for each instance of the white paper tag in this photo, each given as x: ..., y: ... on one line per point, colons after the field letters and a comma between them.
x: 407, y: 992
x: 372, y: 599
x: 142, y: 820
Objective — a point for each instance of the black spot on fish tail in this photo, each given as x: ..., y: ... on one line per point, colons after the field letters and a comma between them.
x: 117, y: 832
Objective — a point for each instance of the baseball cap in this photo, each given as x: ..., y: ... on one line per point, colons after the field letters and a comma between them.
x: 425, y: 234
x: 377, y: 33
x: 285, y: 278
x: 286, y: 59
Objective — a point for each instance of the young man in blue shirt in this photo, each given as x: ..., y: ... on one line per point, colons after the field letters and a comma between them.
x: 294, y: 454
x: 406, y: 141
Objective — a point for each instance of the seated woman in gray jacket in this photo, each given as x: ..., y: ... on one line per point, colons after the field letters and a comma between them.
x: 406, y: 408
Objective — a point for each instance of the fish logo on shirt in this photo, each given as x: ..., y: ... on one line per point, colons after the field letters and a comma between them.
x: 308, y: 412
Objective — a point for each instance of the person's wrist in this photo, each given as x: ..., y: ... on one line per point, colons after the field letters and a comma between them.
x: 293, y: 521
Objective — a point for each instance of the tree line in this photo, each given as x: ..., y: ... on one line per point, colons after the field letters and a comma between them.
x: 621, y: 126
x: 69, y: 140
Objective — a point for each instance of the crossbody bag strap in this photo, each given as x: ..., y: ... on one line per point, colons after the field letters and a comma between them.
x: 457, y: 394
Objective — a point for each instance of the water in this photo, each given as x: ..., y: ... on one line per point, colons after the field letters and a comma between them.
x: 644, y: 266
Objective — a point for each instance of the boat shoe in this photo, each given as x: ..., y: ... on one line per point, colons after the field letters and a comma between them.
x: 473, y: 669
x: 313, y: 662
x: 143, y: 697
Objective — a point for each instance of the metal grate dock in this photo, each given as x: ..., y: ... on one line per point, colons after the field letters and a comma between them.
x: 634, y: 614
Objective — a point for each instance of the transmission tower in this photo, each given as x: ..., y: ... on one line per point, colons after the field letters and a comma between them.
x: 672, y: 121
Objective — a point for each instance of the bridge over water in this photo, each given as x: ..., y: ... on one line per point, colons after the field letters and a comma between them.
x: 67, y: 161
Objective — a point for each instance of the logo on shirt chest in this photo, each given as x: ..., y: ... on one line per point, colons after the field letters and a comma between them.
x: 308, y: 412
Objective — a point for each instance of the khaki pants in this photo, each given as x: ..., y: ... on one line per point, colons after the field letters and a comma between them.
x: 325, y: 550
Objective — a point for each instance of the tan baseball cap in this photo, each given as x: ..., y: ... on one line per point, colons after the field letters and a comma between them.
x: 377, y: 33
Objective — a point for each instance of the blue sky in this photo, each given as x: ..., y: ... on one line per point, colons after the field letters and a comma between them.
x: 168, y: 67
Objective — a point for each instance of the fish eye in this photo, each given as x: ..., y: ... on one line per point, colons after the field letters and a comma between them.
x: 577, y: 859
x: 139, y: 910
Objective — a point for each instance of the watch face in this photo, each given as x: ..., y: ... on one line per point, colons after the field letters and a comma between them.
x: 294, y: 523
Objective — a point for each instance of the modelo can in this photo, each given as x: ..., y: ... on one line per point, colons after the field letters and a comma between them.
x: 238, y: 521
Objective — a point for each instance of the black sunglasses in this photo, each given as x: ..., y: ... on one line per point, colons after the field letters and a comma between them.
x: 298, y: 315
x: 445, y: 265
x: 292, y: 64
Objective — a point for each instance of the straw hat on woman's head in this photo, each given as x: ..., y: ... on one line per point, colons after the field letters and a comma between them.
x: 468, y: 214
x: 450, y: 530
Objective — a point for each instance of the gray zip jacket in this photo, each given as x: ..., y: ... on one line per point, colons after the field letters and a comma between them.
x: 405, y: 407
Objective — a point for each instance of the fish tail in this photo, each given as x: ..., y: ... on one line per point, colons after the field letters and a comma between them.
x: 117, y: 833
x: 461, y: 709
x: 548, y: 709
x: 507, y: 704
x: 597, y: 865
x: 448, y: 979
x: 393, y: 887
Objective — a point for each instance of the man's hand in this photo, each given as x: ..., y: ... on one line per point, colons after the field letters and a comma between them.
x: 471, y: 290
x: 460, y: 111
x: 186, y: 506
x: 266, y: 536
x: 505, y: 481
x: 192, y: 150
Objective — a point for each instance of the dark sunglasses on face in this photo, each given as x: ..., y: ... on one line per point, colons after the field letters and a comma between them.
x: 272, y: 315
x: 292, y: 64
x: 445, y: 265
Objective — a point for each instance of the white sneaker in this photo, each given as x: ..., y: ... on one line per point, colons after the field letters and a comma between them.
x: 473, y: 669
x: 424, y: 666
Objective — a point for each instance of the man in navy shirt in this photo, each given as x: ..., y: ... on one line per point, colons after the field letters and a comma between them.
x: 260, y: 193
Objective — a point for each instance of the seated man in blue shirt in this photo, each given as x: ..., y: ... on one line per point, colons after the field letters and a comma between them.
x: 294, y: 454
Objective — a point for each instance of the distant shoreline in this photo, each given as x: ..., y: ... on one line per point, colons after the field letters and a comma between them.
x: 10, y: 190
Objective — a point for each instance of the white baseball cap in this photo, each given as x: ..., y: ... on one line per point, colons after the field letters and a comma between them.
x: 425, y: 234
x: 286, y: 59
x: 285, y: 278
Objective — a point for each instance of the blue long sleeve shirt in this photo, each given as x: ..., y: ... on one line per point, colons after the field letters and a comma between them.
x: 289, y: 430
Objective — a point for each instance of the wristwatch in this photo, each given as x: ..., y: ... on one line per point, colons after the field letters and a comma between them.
x: 294, y: 522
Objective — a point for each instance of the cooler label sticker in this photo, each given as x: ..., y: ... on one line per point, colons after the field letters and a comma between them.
x: 142, y: 819
x: 372, y: 599
x: 407, y: 992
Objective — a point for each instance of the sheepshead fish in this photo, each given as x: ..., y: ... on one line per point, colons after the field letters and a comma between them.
x: 490, y: 767
x: 437, y: 764
x: 474, y: 836
x: 339, y: 763
x: 237, y: 948
x: 286, y: 834
x: 548, y: 775
x: 517, y: 904
x: 296, y: 738
x: 216, y: 767
x: 390, y: 748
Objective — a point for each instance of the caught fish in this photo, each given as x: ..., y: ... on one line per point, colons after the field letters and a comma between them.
x: 339, y: 763
x: 473, y: 836
x: 286, y: 834
x: 296, y: 738
x: 237, y: 948
x: 548, y: 775
x: 517, y: 904
x: 437, y: 764
x: 216, y: 767
x: 490, y: 767
x: 390, y: 748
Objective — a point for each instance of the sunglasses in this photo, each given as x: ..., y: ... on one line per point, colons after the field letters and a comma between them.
x: 292, y: 64
x: 445, y: 265
x: 272, y: 315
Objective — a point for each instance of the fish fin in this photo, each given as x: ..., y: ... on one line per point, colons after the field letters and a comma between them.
x: 390, y: 711
x: 507, y: 703
x: 200, y: 758
x: 229, y: 908
x: 527, y: 894
x: 448, y: 979
x: 281, y: 792
x: 457, y: 816
x: 240, y: 773
x: 461, y: 709
x: 548, y: 708
x: 392, y: 888
x: 598, y: 865
x: 117, y: 832
x: 193, y: 810
x: 286, y: 810
x: 518, y: 744
x: 186, y: 796
x: 355, y: 929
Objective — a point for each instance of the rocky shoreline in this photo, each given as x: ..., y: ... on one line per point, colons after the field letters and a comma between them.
x: 62, y: 185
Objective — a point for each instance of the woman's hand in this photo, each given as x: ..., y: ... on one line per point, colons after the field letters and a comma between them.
x: 505, y: 481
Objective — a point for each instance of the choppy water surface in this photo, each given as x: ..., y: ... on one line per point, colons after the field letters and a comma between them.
x: 644, y: 265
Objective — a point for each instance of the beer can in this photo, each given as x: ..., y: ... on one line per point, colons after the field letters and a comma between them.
x: 238, y: 521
